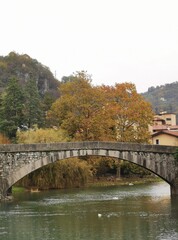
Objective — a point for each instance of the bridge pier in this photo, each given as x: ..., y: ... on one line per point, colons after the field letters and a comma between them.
x: 5, y: 192
x: 174, y: 188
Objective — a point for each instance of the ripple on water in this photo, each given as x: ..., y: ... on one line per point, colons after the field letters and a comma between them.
x: 113, y: 195
x: 168, y: 235
x: 3, y: 231
x: 108, y: 213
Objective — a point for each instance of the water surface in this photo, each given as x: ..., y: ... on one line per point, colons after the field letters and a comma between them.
x: 106, y: 213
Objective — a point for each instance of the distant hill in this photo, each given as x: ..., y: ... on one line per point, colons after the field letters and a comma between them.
x: 163, y: 98
x: 24, y: 68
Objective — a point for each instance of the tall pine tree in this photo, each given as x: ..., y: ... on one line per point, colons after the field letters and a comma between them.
x: 33, y: 106
x: 12, y: 109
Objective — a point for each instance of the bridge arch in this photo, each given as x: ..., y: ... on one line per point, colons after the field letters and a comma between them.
x: 25, y: 159
x: 29, y: 168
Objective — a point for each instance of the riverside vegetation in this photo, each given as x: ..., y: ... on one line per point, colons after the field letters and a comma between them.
x: 36, y: 108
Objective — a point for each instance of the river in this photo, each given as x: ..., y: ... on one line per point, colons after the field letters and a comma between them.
x: 102, y: 213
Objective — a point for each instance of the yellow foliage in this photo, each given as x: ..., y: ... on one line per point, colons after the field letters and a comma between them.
x: 3, y: 65
x: 62, y: 174
x: 42, y: 136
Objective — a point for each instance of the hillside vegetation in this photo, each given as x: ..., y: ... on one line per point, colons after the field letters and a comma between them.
x: 163, y: 98
x: 25, y: 68
x: 27, y: 91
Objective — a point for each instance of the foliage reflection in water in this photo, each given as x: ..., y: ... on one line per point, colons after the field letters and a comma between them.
x: 125, y: 212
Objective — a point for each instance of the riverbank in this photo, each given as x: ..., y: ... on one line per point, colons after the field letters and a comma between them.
x: 123, y: 181
x: 105, y: 181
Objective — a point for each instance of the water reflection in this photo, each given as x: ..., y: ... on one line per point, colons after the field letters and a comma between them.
x: 125, y: 212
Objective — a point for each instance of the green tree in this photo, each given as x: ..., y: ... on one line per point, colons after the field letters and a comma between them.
x: 47, y: 101
x: 12, y: 109
x: 33, y: 107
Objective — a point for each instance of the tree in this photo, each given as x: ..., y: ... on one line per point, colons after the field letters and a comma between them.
x: 81, y: 110
x: 101, y: 113
x: 40, y: 135
x: 4, y: 139
x: 62, y: 174
x: 131, y: 112
x: 12, y: 109
x: 33, y: 107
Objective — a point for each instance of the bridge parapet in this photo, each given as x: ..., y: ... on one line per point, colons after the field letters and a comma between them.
x: 122, y: 146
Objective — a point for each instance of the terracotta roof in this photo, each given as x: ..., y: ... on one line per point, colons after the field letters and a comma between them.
x: 159, y: 127
x: 171, y: 133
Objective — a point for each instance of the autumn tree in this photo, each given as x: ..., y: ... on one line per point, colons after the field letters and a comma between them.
x: 80, y: 110
x: 40, y: 135
x: 4, y: 139
x: 131, y: 112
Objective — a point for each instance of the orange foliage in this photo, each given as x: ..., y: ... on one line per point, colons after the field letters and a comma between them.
x: 131, y: 112
x: 102, y: 113
x: 4, y: 139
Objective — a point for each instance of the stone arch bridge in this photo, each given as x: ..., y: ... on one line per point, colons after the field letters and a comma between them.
x: 18, y: 160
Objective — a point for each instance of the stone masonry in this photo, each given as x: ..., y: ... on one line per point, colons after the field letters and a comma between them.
x: 18, y: 160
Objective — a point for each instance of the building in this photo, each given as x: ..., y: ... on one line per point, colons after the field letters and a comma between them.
x: 164, y: 130
x: 165, y: 137
x: 164, y: 118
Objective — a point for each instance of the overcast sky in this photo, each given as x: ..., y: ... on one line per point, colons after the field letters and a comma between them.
x: 113, y: 40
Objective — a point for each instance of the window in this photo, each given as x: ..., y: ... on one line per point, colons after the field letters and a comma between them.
x: 157, y: 141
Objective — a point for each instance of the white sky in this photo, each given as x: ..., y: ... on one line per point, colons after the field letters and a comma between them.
x: 113, y: 40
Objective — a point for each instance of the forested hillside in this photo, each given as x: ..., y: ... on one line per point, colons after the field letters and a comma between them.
x: 24, y: 68
x: 163, y: 98
x: 27, y: 90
